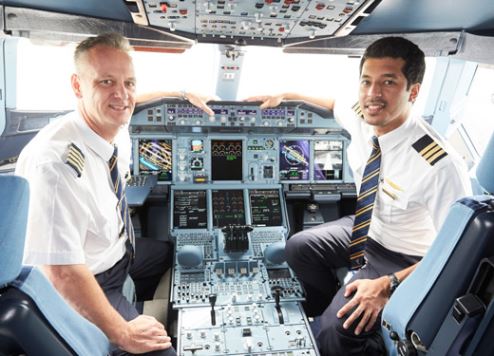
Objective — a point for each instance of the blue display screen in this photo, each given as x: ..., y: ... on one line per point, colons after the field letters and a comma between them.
x: 294, y: 160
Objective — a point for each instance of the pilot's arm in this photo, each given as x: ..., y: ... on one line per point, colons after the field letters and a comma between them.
x: 442, y: 188
x: 79, y: 287
x: 269, y: 101
x: 371, y: 295
x: 195, y: 99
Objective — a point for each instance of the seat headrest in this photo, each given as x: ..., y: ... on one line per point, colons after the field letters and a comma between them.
x: 485, y: 169
x: 14, y: 204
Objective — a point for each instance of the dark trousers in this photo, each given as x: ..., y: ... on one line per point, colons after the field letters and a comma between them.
x: 152, y: 259
x: 314, y: 254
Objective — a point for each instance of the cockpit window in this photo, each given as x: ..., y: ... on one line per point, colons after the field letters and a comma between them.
x: 43, y: 73
x: 477, y: 116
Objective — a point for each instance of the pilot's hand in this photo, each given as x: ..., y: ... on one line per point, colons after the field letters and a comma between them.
x: 200, y: 101
x: 268, y: 101
x: 369, y: 299
x: 144, y: 334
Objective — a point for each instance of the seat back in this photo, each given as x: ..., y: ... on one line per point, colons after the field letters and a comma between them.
x: 34, y: 318
x: 14, y: 201
x: 485, y: 169
x: 415, y: 313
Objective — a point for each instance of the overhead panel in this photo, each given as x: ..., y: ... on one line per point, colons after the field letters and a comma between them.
x: 278, y: 20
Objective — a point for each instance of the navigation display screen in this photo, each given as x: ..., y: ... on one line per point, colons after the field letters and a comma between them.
x: 328, y: 160
x: 189, y: 209
x: 228, y: 208
x: 226, y: 160
x: 155, y: 157
x: 294, y: 160
x: 265, y: 207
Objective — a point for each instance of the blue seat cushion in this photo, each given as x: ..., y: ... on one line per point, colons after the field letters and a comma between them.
x: 83, y: 336
x: 14, y: 202
x: 485, y: 169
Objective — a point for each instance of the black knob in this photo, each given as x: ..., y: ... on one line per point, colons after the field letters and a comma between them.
x: 406, y: 348
x: 277, y: 295
x: 212, y: 299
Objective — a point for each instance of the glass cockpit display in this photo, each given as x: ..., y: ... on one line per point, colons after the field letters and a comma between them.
x: 155, y: 157
x: 294, y: 160
x: 265, y: 207
x: 228, y: 207
x: 328, y: 160
x: 189, y: 209
x: 226, y: 160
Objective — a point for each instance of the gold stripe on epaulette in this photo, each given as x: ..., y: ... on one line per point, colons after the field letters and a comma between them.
x: 357, y: 109
x: 75, y: 159
x: 436, y: 148
x: 429, y: 149
x: 437, y: 157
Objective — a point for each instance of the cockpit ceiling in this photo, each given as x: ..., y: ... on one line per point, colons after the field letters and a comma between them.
x: 177, y: 23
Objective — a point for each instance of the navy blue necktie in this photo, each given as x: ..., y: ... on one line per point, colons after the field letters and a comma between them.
x: 122, y: 200
x: 365, y: 205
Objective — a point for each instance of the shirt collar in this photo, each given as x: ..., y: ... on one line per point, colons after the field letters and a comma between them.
x: 391, y: 139
x: 92, y: 140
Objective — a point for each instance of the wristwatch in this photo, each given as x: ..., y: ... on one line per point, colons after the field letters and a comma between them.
x: 394, y: 282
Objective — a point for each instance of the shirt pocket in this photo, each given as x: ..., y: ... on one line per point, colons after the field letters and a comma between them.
x: 105, y: 222
x: 394, y: 200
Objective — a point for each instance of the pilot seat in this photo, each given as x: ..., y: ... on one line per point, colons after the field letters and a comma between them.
x: 446, y: 306
x: 34, y: 319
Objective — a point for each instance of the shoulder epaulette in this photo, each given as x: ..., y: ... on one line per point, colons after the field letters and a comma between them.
x: 357, y: 110
x: 429, y: 149
x: 75, y: 159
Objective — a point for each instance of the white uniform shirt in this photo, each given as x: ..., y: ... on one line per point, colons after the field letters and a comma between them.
x: 72, y: 220
x: 414, y: 196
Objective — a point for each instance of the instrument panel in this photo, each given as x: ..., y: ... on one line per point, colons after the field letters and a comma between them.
x: 227, y: 177
x: 241, y: 143
x: 204, y: 158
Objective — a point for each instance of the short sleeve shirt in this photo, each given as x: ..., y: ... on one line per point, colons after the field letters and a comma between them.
x: 415, y: 192
x: 73, y: 216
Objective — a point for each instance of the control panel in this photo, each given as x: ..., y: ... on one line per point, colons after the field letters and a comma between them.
x: 230, y: 243
x: 229, y: 177
x: 261, y: 19
x: 178, y: 115
x: 232, y: 287
x: 252, y: 329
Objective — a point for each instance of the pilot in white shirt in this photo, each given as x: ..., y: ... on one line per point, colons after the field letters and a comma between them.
x: 420, y: 177
x: 415, y: 178
x: 76, y: 195
x: 76, y: 231
x: 413, y: 187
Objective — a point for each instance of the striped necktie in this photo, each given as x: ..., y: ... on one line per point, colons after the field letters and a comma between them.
x: 365, y: 205
x: 122, y: 201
